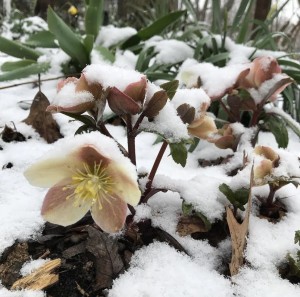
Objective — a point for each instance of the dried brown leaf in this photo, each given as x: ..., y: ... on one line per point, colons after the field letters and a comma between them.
x: 107, y: 260
x: 41, y: 120
x: 238, y: 233
x: 188, y: 225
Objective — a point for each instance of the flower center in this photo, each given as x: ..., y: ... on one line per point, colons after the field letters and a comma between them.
x: 90, y: 184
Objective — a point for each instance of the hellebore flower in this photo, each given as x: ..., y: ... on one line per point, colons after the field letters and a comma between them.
x: 264, y: 169
x: 75, y: 95
x: 87, y: 178
x: 123, y: 89
x: 262, y: 70
x: 203, y: 127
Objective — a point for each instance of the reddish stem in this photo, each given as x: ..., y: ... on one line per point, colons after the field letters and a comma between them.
x: 153, y: 170
x: 131, y: 140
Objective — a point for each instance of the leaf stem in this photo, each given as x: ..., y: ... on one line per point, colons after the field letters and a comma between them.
x: 153, y: 171
x: 131, y: 140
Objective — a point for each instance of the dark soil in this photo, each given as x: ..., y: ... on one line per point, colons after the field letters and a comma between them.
x: 90, y: 258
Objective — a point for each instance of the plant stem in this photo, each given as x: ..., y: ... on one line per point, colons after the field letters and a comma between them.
x: 153, y: 170
x: 270, y: 198
x: 131, y: 140
x: 229, y: 113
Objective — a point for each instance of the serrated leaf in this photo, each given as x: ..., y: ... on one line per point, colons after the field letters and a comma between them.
x: 16, y: 49
x: 83, y: 129
x: 86, y: 119
x: 154, y: 29
x: 156, y: 104
x: 11, y: 66
x: 170, y: 87
x: 68, y: 40
x: 276, y: 125
x: 41, y: 39
x: 31, y: 69
x: 178, y: 153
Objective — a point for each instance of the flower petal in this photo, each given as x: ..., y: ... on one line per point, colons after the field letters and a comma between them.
x: 263, y: 169
x: 78, y: 108
x: 109, y: 213
x: 202, y: 127
x: 57, y: 209
x: 121, y: 104
x: 267, y: 152
x: 125, y: 186
x: 137, y: 90
x: 49, y: 172
x: 90, y: 155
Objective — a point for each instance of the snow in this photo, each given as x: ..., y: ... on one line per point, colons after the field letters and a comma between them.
x: 170, y: 51
x: 111, y: 76
x: 111, y: 35
x: 32, y: 265
x: 166, y: 281
x: 169, y: 272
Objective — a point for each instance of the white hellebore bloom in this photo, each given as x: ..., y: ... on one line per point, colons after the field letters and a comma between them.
x: 85, y: 178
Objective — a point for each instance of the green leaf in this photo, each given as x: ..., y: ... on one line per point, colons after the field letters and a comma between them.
x: 105, y: 53
x: 170, y: 87
x: 216, y: 16
x: 16, y: 49
x: 217, y: 58
x: 84, y: 129
x: 154, y: 29
x: 238, y: 198
x: 144, y: 59
x: 68, y: 40
x: 277, y: 126
x: 88, y: 42
x: 41, y: 39
x: 86, y: 119
x: 93, y: 17
x: 10, y: 66
x: 35, y: 68
x: 178, y: 153
x: 297, y: 237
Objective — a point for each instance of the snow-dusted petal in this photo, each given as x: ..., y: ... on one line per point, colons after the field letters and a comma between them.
x: 59, y: 206
x: 202, y: 127
x: 49, y: 172
x: 109, y: 213
x: 78, y: 108
x: 125, y: 187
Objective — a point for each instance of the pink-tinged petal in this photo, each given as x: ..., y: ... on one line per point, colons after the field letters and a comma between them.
x: 122, y: 104
x: 202, y: 127
x: 49, y: 172
x: 267, y: 152
x: 137, y: 90
x: 63, y: 82
x: 83, y: 86
x: 79, y: 108
x: 109, y: 213
x: 262, y: 70
x: 225, y: 142
x: 58, y: 209
x: 90, y: 155
x: 280, y: 86
x: 124, y: 185
x: 244, y: 79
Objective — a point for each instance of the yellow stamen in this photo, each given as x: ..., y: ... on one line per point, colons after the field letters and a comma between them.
x: 91, y: 183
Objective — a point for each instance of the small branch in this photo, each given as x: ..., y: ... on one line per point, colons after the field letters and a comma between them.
x: 153, y: 171
x: 138, y: 122
x: 271, y: 195
x: 37, y: 81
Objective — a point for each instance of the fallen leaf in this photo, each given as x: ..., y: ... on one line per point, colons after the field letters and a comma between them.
x: 188, y: 225
x: 9, y: 135
x: 108, y: 262
x: 41, y: 120
x: 238, y: 233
